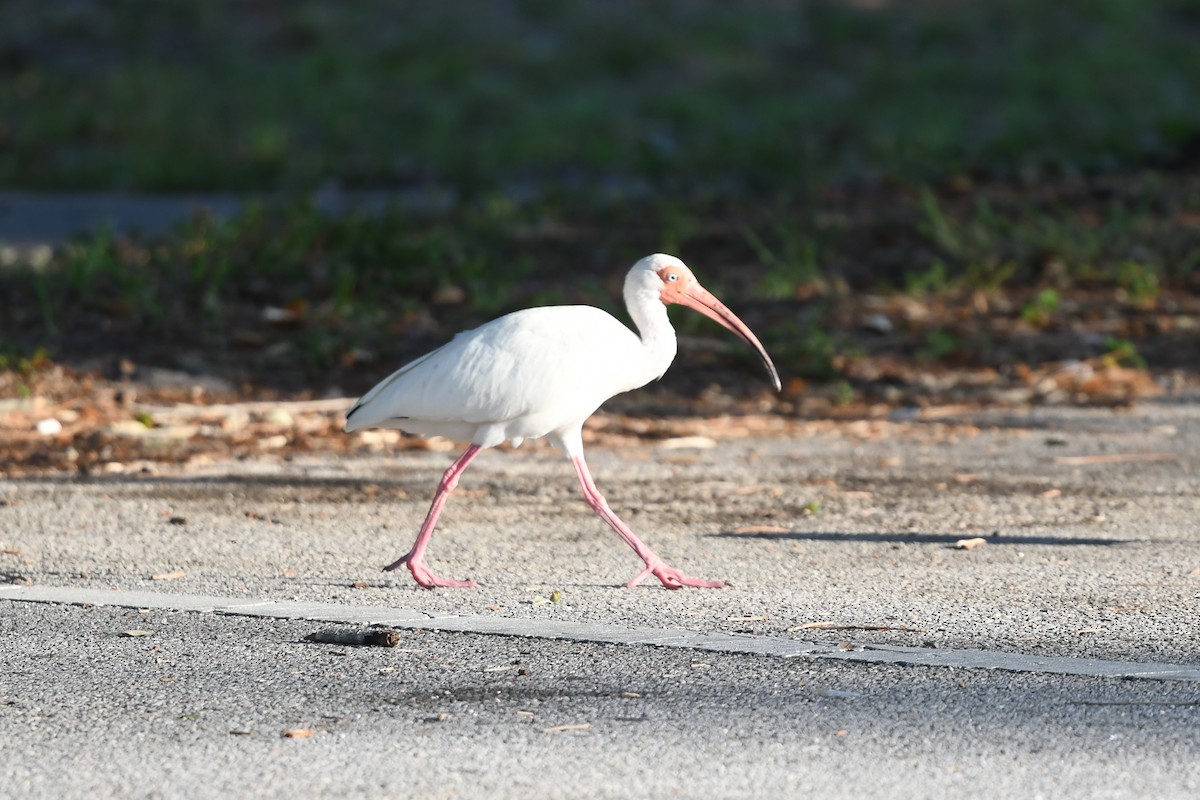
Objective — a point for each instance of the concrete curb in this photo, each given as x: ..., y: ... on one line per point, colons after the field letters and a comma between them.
x: 602, y: 633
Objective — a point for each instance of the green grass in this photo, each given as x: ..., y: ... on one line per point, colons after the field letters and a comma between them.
x: 1123, y: 352
x: 796, y: 153
x: 1137, y: 232
x: 587, y: 97
x: 1041, y: 309
x: 291, y: 296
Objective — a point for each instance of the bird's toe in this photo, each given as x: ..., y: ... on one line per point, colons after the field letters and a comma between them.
x: 672, y: 578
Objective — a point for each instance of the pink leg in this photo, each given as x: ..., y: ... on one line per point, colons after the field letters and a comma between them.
x: 414, y: 557
x: 670, y: 577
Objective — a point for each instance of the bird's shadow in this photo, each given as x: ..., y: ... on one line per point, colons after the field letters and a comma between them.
x: 945, y: 539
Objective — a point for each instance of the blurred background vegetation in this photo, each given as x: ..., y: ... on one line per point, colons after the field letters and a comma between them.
x: 882, y: 189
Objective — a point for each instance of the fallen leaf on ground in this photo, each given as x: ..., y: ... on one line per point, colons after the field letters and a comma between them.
x: 297, y: 733
x: 760, y: 529
x: 1114, y: 458
x: 582, y: 726
x: 169, y: 576
x: 940, y: 412
x: 687, y: 442
x: 135, y: 633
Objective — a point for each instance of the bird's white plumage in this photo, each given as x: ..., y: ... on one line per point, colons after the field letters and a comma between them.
x: 532, y: 373
x: 542, y: 372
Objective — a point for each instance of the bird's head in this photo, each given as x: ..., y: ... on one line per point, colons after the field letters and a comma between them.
x: 676, y: 285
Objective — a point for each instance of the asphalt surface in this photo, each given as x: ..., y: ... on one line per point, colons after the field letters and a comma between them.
x: 1092, y: 551
x: 199, y: 706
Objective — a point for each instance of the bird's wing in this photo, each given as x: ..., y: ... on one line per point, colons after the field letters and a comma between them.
x: 531, y: 361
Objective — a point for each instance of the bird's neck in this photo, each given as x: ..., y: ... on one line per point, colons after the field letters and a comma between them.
x: 654, y: 329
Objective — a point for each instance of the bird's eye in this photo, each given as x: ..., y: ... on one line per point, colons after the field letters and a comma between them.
x: 672, y: 277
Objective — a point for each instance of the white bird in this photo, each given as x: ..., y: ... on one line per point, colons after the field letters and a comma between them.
x: 543, y: 372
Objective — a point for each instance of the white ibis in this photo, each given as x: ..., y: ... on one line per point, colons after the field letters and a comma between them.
x: 543, y: 372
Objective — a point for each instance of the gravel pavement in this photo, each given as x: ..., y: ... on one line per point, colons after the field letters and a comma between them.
x: 843, y: 538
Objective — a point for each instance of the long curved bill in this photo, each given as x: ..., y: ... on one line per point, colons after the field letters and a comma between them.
x: 704, y: 301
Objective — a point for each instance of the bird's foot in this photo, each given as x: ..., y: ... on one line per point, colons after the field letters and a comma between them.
x: 672, y: 578
x: 424, y: 576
